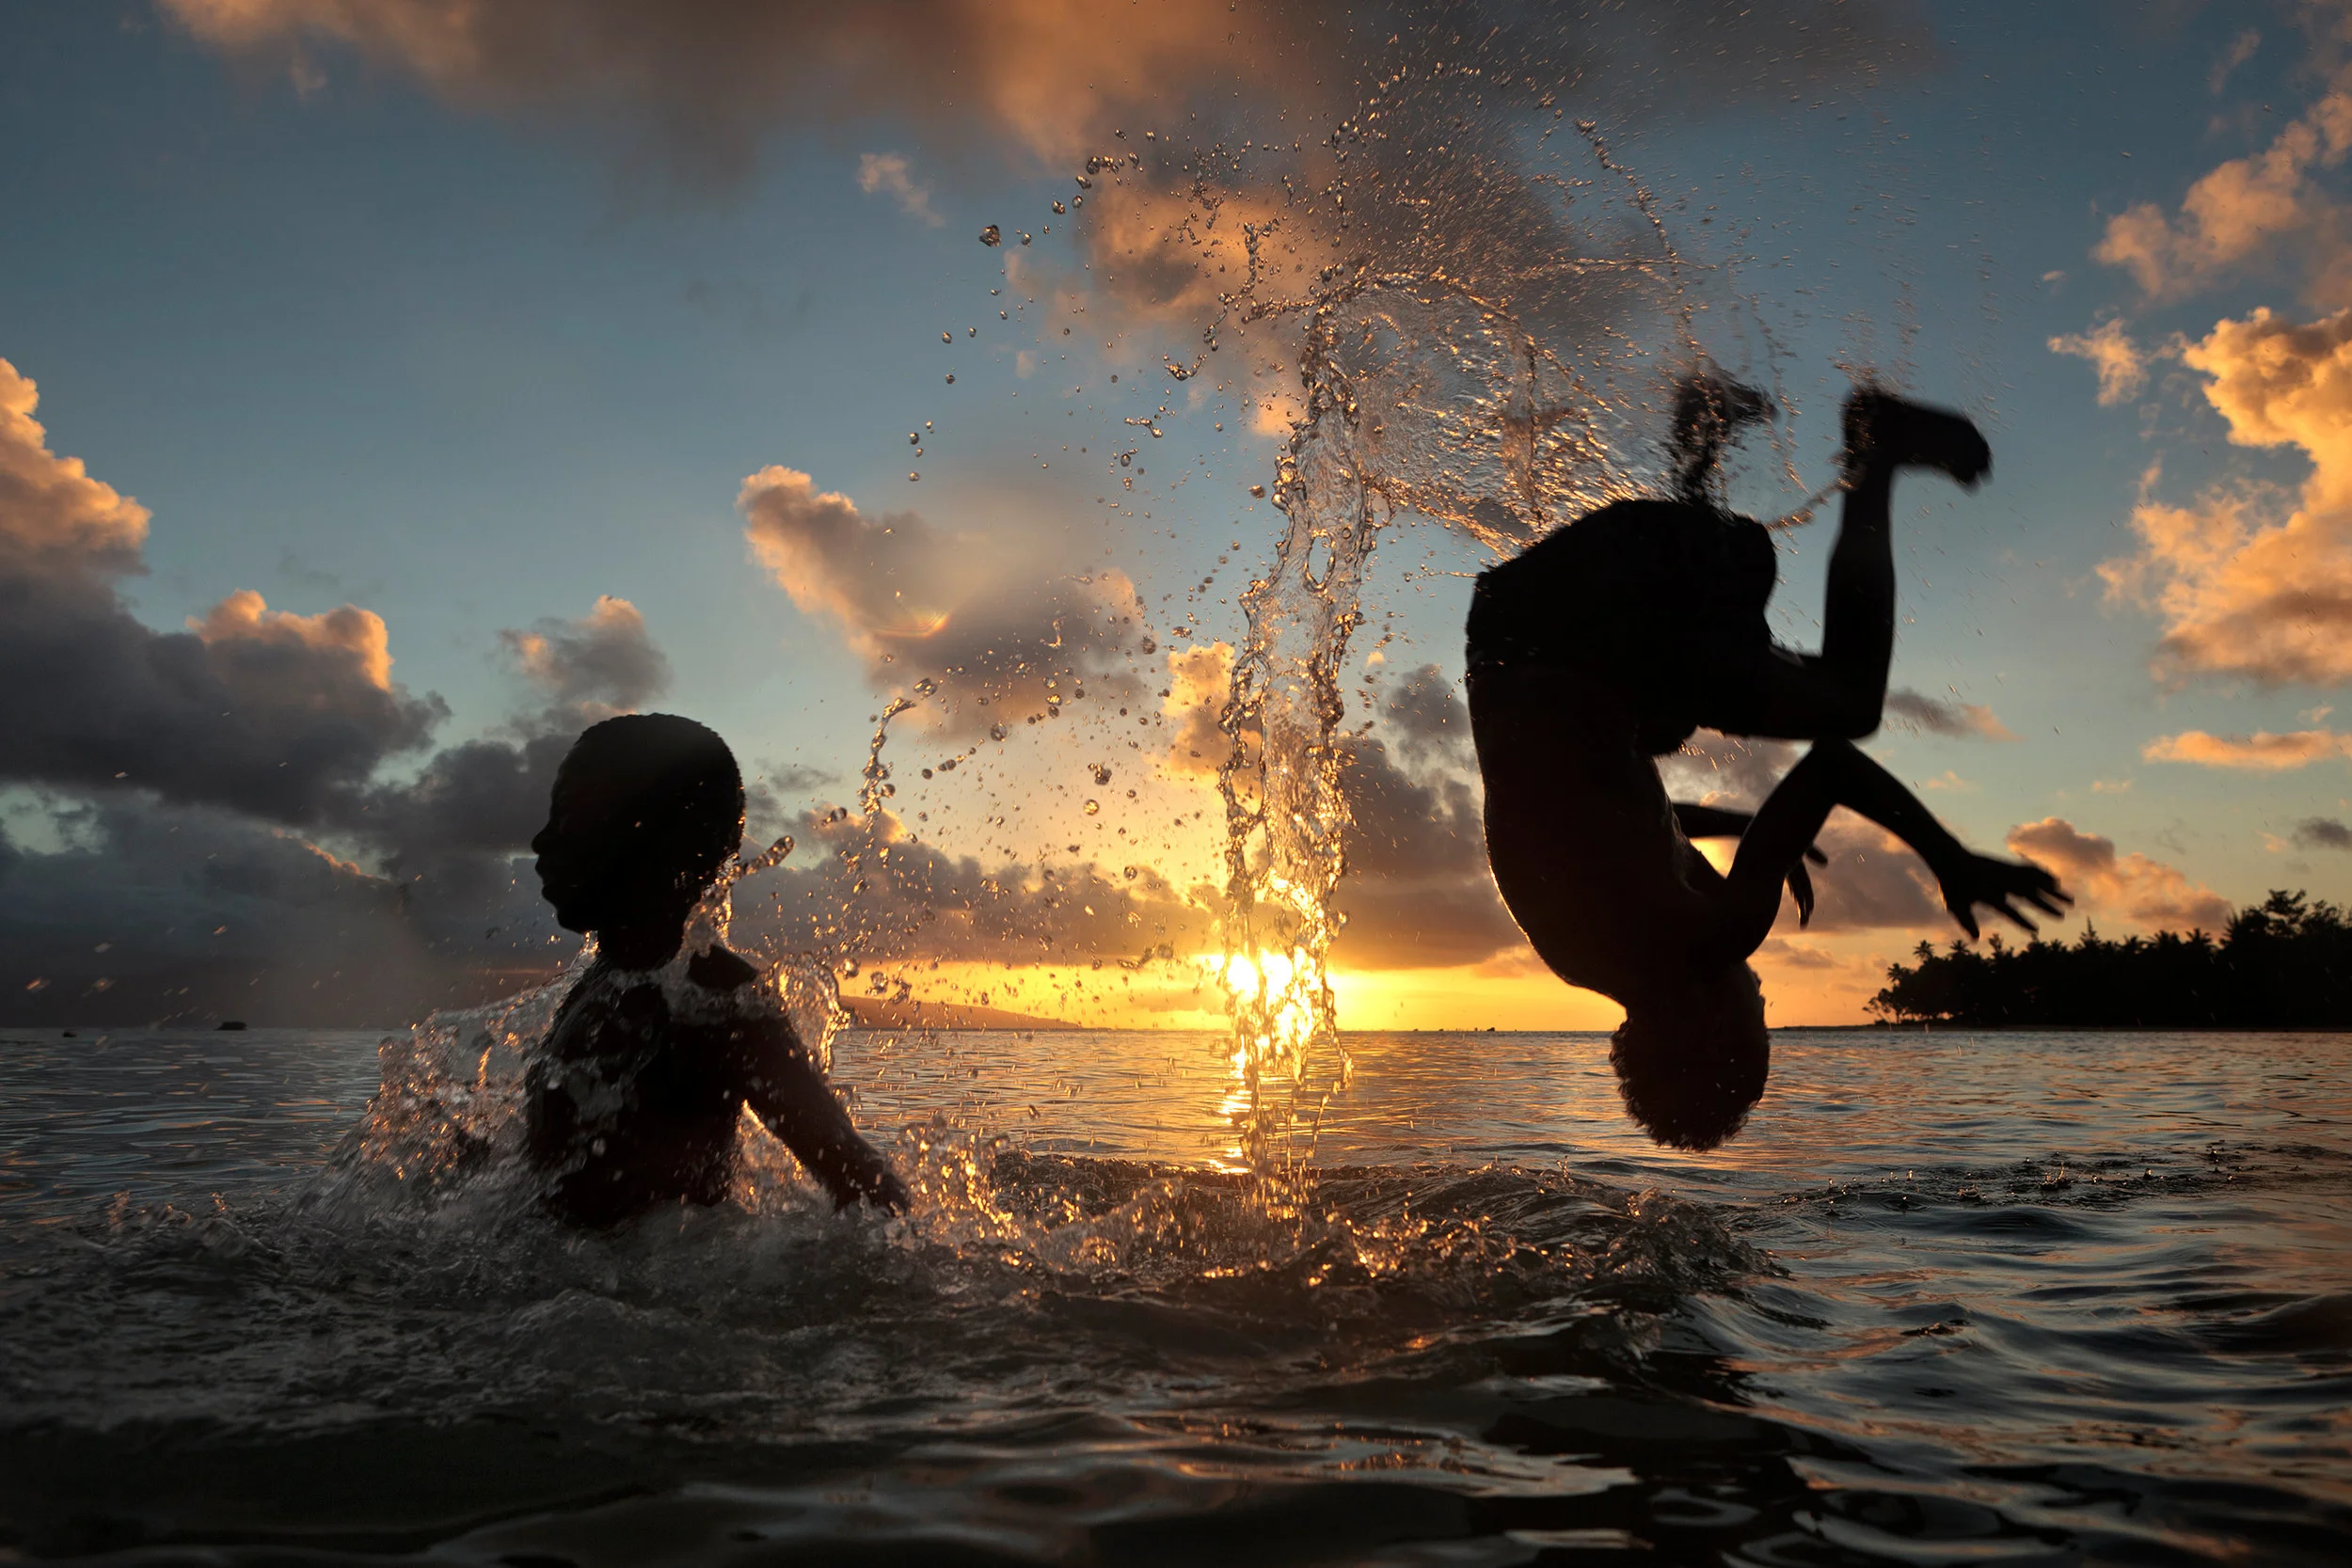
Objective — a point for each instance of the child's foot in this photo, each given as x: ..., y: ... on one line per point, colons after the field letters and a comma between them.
x: 1883, y: 431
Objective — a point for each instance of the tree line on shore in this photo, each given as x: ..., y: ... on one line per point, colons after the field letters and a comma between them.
x: 2285, y: 964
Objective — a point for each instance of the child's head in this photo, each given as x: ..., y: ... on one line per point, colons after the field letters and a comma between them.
x: 1691, y: 1063
x: 645, y: 811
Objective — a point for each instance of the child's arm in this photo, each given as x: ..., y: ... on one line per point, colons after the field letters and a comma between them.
x: 1718, y: 822
x: 787, y: 1093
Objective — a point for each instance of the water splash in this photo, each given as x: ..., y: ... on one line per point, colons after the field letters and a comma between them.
x: 1479, y: 396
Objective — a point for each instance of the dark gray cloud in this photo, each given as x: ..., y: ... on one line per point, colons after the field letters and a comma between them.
x: 1417, y: 892
x: 2322, y: 833
x: 151, y: 912
x: 266, y: 712
x: 864, y: 887
x: 1909, y: 709
x: 490, y: 795
x: 595, y: 667
x: 1871, y: 880
x: 1427, y: 716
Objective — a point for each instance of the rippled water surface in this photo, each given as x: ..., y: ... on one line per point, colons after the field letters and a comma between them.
x: 2012, y: 1298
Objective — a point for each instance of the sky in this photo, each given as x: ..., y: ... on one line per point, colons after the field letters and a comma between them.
x: 394, y: 387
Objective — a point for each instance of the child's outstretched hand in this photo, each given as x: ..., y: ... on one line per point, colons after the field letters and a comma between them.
x: 1982, y: 880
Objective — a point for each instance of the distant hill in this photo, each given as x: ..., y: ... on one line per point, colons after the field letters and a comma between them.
x: 877, y: 1012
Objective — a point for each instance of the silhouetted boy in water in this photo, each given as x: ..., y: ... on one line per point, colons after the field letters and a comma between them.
x: 634, y: 1096
x: 1604, y: 645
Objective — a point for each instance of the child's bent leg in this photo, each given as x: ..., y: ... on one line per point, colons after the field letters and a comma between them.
x: 1840, y: 691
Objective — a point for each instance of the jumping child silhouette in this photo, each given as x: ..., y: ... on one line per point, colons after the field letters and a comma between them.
x: 1604, y: 645
x: 634, y: 1096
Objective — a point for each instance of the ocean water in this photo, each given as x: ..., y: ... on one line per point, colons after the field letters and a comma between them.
x: 1950, y: 1298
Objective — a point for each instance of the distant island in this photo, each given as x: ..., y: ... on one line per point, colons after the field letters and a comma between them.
x: 2285, y: 964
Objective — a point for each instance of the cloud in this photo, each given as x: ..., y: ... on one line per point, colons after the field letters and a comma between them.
x: 152, y: 912
x: 2248, y: 581
x: 593, y: 668
x: 481, y: 800
x: 1417, y: 892
x: 706, y: 82
x: 995, y: 617
x: 2257, y: 209
x: 2122, y: 368
x: 267, y: 712
x: 2261, y: 751
x: 2322, y: 833
x: 1199, y: 683
x: 1430, y: 721
x: 2240, y: 51
x: 2146, y: 892
x: 1939, y: 717
x: 865, y: 887
x: 1872, y: 881
x: 887, y: 172
x: 1297, y: 131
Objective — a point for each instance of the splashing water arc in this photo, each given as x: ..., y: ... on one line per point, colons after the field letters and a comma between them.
x: 1487, y: 396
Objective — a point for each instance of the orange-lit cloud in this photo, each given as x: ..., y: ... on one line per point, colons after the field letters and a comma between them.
x: 1200, y: 685
x: 994, y: 616
x: 53, y: 515
x: 2250, y: 582
x: 2145, y: 891
x: 242, y: 628
x: 2122, y: 368
x: 599, y: 665
x: 2261, y: 751
x: 2252, y: 210
x: 709, y: 81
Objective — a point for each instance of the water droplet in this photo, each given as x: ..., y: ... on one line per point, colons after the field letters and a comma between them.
x: 1094, y: 808
x: 913, y: 476
x: 991, y: 235
x: 1128, y: 872
x: 946, y: 337
x: 912, y: 440
x: 1102, y: 774
x: 1059, y: 208
x: 951, y: 378
x: 1257, y: 489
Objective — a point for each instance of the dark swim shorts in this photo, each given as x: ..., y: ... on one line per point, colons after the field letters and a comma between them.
x: 1662, y: 599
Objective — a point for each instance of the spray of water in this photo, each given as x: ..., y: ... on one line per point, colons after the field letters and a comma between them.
x: 1484, y: 365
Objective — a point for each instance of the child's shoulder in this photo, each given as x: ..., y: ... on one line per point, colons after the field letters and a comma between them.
x: 718, y: 969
